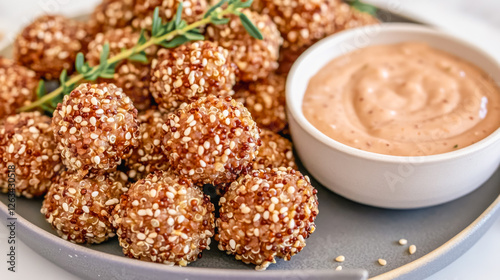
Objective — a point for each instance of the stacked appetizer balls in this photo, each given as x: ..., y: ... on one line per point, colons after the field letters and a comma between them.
x: 128, y: 154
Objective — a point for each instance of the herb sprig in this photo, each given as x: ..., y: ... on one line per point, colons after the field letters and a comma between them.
x: 168, y: 35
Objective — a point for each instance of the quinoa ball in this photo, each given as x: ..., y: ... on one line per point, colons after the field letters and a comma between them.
x: 165, y: 219
x: 192, y: 10
x: 301, y: 22
x: 276, y: 151
x: 255, y: 58
x: 132, y: 77
x: 148, y: 157
x: 211, y: 140
x: 27, y: 143
x: 266, y: 214
x: 191, y: 71
x: 79, y: 208
x: 266, y: 101
x: 344, y: 17
x: 95, y: 127
x: 111, y: 14
x: 49, y: 45
x: 17, y: 86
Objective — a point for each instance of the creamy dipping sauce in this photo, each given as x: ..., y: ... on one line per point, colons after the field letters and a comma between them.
x: 405, y: 99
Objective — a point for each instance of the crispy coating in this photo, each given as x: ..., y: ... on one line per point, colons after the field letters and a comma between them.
x: 95, y: 127
x: 333, y: 16
x: 266, y: 214
x: 164, y: 218
x: 265, y: 99
x: 27, y: 143
x: 148, y: 156
x: 132, y: 77
x: 111, y: 14
x: 276, y: 151
x: 189, y: 72
x: 17, y: 86
x: 301, y: 22
x: 256, y: 59
x: 192, y: 11
x: 211, y: 140
x: 49, y: 45
x: 79, y: 208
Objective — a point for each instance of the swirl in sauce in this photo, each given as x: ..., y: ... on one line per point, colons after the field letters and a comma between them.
x: 405, y: 99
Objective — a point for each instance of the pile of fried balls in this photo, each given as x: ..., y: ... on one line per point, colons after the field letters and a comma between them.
x: 128, y: 156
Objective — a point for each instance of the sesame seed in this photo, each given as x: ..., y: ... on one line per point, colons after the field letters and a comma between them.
x: 141, y: 212
x: 402, y: 241
x: 340, y: 258
x: 412, y: 249
x: 95, y: 193
x: 232, y: 243
x: 338, y: 267
x: 382, y: 262
x: 72, y: 130
x: 141, y: 236
x: 97, y: 159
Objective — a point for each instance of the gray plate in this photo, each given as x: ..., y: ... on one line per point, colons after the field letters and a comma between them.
x: 361, y: 233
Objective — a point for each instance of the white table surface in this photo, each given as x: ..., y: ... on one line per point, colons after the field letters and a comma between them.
x: 482, y: 261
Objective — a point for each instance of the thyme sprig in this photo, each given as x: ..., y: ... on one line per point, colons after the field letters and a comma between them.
x: 168, y: 35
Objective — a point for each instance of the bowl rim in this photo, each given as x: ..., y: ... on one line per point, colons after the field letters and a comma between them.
x: 385, y: 28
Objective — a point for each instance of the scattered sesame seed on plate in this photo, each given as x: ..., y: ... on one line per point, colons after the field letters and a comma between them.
x: 402, y: 241
x: 340, y: 258
x: 382, y: 262
x: 412, y: 249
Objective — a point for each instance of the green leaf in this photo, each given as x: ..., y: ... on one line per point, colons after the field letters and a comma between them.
x: 139, y: 57
x: 194, y: 35
x: 214, y: 7
x: 182, y: 24
x: 40, y: 89
x: 250, y: 28
x: 63, y: 77
x: 142, y: 38
x: 219, y: 21
x: 169, y: 27
x: 362, y: 7
x: 156, y: 23
x: 104, y: 54
x: 177, y: 41
x: 246, y: 4
x: 80, y: 60
x: 178, y: 15
x: 92, y: 76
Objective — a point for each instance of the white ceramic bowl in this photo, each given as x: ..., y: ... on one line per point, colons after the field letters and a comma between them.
x: 384, y: 180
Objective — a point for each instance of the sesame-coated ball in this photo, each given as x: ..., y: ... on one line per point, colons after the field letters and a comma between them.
x: 27, y: 143
x: 49, y: 45
x: 79, y: 208
x: 111, y: 14
x: 189, y: 72
x: 255, y: 58
x: 148, y: 157
x: 165, y: 219
x: 344, y: 17
x: 276, y: 151
x: 95, y: 127
x: 132, y: 77
x: 192, y: 11
x: 266, y: 214
x: 265, y: 99
x: 17, y: 86
x: 211, y: 140
x: 301, y: 22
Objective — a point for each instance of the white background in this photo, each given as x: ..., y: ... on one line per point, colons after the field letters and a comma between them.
x: 482, y: 261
